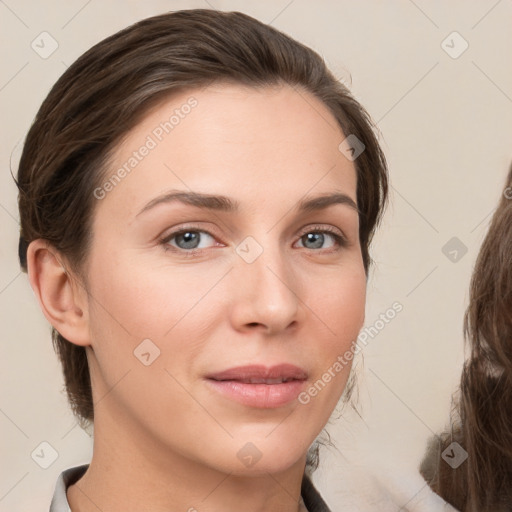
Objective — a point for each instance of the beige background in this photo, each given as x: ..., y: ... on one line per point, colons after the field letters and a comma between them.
x: 446, y: 125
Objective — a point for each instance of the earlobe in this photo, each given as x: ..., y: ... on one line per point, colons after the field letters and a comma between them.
x: 61, y: 298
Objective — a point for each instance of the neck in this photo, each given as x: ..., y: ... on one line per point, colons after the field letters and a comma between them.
x: 130, y: 471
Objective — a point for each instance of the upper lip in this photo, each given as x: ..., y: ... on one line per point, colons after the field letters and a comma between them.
x: 261, y: 373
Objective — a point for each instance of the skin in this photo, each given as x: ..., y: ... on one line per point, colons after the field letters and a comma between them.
x: 163, y: 439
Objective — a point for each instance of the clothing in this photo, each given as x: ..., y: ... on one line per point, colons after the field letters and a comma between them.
x: 312, y: 499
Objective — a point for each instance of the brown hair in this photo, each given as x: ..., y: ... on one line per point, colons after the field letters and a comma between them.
x: 107, y: 90
x: 482, y: 422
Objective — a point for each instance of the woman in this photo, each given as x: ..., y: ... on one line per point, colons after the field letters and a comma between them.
x: 471, y: 466
x: 197, y: 197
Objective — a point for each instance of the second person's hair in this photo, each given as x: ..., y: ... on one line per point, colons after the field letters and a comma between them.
x: 482, y: 422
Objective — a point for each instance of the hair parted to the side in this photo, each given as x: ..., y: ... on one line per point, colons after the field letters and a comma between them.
x: 103, y: 95
x: 482, y: 418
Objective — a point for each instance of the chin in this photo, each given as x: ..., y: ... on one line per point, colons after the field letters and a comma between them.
x: 258, y: 455
x: 266, y: 465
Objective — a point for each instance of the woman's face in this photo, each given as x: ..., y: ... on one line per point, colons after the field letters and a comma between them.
x: 180, y: 291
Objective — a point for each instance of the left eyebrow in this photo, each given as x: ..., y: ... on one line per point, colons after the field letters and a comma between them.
x: 324, y: 201
x: 226, y: 204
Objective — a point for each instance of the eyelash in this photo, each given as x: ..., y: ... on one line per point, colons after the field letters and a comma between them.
x: 340, y: 240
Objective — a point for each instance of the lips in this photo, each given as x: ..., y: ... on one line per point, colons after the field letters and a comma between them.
x: 257, y: 374
x: 259, y: 386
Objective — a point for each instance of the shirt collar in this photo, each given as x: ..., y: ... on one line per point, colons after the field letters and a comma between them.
x: 310, y: 496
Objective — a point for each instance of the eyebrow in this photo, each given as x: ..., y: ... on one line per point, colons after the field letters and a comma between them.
x: 226, y: 204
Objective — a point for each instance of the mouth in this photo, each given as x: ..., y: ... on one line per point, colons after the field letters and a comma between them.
x: 259, y: 374
x: 260, y: 386
x: 255, y: 380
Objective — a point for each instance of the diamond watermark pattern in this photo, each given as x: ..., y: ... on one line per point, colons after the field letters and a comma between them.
x: 249, y: 249
x: 454, y: 45
x: 249, y: 454
x: 44, y: 455
x: 146, y: 352
x: 454, y: 250
x: 44, y: 45
x: 351, y: 147
x: 454, y: 455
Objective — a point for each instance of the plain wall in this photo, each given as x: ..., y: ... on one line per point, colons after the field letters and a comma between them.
x: 446, y: 129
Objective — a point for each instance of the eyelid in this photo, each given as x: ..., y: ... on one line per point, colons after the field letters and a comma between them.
x: 163, y: 240
x: 323, y: 228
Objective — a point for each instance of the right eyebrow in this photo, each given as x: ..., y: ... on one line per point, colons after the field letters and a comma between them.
x: 206, y: 201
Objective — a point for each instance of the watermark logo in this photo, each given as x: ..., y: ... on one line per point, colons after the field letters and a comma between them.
x: 44, y: 45
x: 44, y: 455
x: 249, y: 454
x: 454, y: 45
x: 146, y: 352
x: 454, y: 249
x: 351, y: 147
x: 249, y: 249
x: 454, y: 455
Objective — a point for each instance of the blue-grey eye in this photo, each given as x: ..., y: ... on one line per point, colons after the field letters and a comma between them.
x: 315, y: 239
x: 189, y: 239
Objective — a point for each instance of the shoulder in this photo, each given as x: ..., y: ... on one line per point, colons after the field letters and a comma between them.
x: 66, y: 478
x: 410, y: 491
x: 375, y: 489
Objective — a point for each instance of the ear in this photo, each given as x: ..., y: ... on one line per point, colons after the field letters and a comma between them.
x: 61, y: 296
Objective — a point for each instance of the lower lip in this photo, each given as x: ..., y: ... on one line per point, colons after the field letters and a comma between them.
x: 263, y: 396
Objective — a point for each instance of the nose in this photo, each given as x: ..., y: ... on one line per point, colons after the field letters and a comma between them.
x: 265, y: 293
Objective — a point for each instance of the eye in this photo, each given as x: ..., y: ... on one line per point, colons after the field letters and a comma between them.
x: 188, y: 239
x: 315, y: 239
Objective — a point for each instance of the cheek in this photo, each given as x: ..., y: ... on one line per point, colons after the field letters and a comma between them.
x: 143, y: 300
x: 134, y: 302
x: 138, y: 310
x: 340, y: 307
x: 340, y: 304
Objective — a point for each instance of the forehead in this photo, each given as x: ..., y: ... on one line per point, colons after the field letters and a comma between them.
x: 253, y: 144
